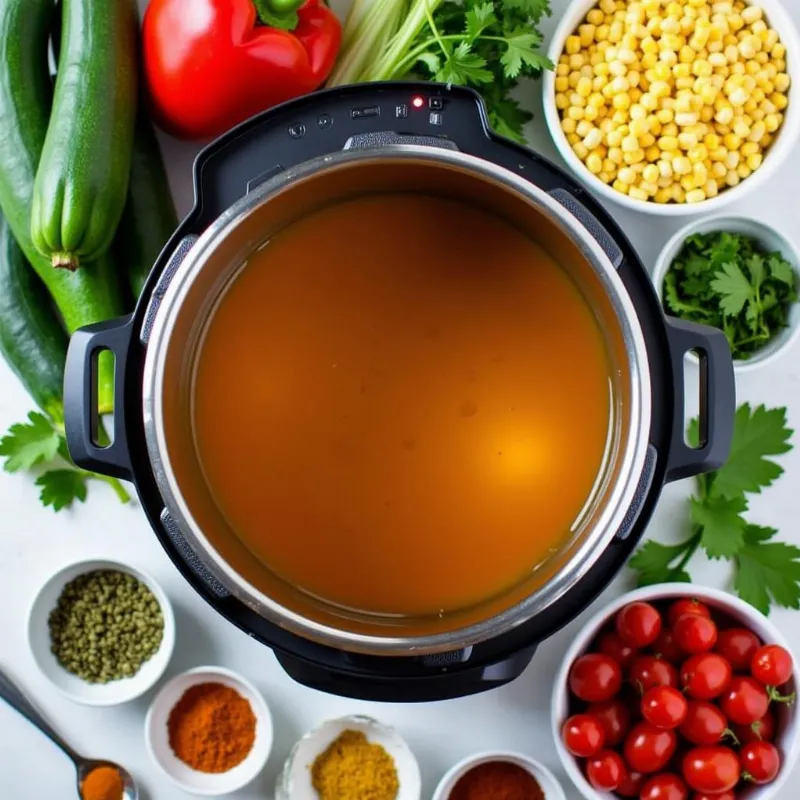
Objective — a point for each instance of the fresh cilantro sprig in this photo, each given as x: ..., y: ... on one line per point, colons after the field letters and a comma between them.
x: 39, y: 443
x: 766, y: 571
x: 729, y: 281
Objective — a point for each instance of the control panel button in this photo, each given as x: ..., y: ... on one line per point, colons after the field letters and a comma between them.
x: 367, y: 111
x: 324, y: 121
x: 435, y: 103
x: 297, y: 131
x: 436, y: 118
x: 401, y: 111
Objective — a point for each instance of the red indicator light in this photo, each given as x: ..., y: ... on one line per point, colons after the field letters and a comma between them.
x: 417, y: 102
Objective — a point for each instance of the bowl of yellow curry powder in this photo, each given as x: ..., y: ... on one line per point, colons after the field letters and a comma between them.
x: 353, y: 756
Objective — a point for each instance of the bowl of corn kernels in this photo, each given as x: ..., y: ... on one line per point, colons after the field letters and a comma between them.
x: 674, y: 106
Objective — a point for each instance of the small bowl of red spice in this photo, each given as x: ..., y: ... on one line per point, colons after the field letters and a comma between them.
x: 501, y: 775
x: 209, y: 730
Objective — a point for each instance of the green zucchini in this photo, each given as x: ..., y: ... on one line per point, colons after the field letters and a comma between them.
x: 32, y: 340
x: 91, y: 294
x: 149, y: 218
x: 82, y: 178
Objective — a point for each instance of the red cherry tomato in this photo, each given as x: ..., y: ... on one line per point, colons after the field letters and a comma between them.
x: 665, y: 786
x: 611, y: 645
x: 595, y: 677
x: 638, y: 624
x: 667, y: 648
x: 664, y: 707
x: 704, y: 796
x: 761, y: 730
x: 649, y: 749
x: 583, y: 735
x: 711, y: 769
x: 705, y: 676
x: 694, y: 633
x: 745, y: 701
x: 705, y: 724
x: 687, y: 606
x: 760, y: 762
x: 737, y: 646
x: 772, y: 665
x: 647, y: 672
x: 606, y: 770
x: 614, y: 718
x: 631, y: 785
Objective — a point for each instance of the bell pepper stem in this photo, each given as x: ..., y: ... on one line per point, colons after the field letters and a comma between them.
x: 278, y: 13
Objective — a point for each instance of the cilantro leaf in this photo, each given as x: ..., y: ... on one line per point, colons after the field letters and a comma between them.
x: 781, y: 270
x: 733, y: 287
x: 477, y: 19
x: 506, y: 116
x: 755, y: 266
x: 757, y: 434
x: 432, y: 61
x: 29, y: 443
x: 535, y: 9
x: 464, y: 66
x: 767, y: 572
x: 61, y: 487
x: 653, y: 563
x: 521, y: 49
x: 721, y: 523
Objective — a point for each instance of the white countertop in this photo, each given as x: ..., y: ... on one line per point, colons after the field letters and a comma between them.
x: 34, y: 542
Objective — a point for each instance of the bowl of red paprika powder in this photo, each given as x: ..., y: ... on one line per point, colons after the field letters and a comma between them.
x: 499, y: 774
x: 209, y: 730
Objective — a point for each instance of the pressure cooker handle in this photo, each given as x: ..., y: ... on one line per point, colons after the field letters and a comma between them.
x: 717, y: 399
x: 81, y: 416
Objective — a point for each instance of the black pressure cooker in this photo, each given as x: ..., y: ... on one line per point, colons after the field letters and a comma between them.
x: 263, y: 175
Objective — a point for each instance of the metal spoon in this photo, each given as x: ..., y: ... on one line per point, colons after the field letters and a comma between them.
x: 11, y: 693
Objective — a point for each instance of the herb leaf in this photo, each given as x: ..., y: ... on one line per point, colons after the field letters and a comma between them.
x: 464, y: 66
x: 733, y: 287
x: 521, y: 49
x: 767, y: 571
x: 654, y: 563
x: 29, y: 443
x: 723, y: 528
x: 61, y: 487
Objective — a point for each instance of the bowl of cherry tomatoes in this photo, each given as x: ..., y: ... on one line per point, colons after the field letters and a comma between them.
x: 677, y: 692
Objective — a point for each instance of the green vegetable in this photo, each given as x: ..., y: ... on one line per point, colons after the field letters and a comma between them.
x: 729, y: 281
x: 90, y: 294
x: 105, y: 625
x: 489, y: 46
x: 766, y: 571
x: 149, y: 218
x: 82, y: 178
x: 32, y: 340
x: 40, y: 442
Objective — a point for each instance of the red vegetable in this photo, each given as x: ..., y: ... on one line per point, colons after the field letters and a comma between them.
x: 737, y: 646
x: 631, y: 785
x: 705, y: 724
x: 667, y: 648
x: 638, y: 624
x: 211, y: 64
x: 745, y: 701
x: 611, y: 645
x: 614, y: 718
x: 681, y: 607
x: 763, y: 729
x: 606, y: 770
x: 694, y: 633
x: 649, y: 749
x: 665, y: 786
x: 583, y: 735
x: 664, y: 707
x: 595, y: 677
x: 649, y: 671
x: 772, y: 665
x: 760, y: 762
x: 705, y: 676
x: 711, y: 769
x: 729, y: 795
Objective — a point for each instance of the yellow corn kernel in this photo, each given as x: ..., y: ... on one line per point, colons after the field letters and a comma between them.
x: 575, y: 113
x: 663, y: 196
x: 639, y: 127
x: 652, y: 154
x: 665, y: 168
x: 647, y: 141
x: 688, y: 182
x: 780, y: 101
x: 741, y: 129
x: 681, y: 165
x: 682, y: 70
x: 584, y: 87
x: 649, y: 102
x: 719, y: 170
x: 580, y: 150
x: 638, y: 194
x: 648, y: 188
x: 594, y: 163
x: 616, y: 156
x: 590, y: 113
x: 724, y: 115
x: 700, y: 174
x: 772, y: 122
x: 695, y: 196
x: 630, y: 144
x: 621, y: 102
x: 671, y: 129
x: 666, y: 115
x: 732, y: 178
x: 609, y: 166
x: 568, y: 125
x: 669, y: 144
x: 678, y: 193
x: 749, y: 149
x: 593, y: 139
x: 743, y: 171
x: 636, y: 157
x: 586, y: 34
x: 627, y: 176
x: 573, y: 138
x: 606, y: 125
x: 573, y: 45
x: 651, y: 173
x: 711, y: 189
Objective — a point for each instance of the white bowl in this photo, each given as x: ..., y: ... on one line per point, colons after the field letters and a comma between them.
x: 75, y: 688
x: 294, y: 782
x: 782, y: 148
x: 550, y: 786
x: 770, y: 240
x: 188, y: 779
x: 788, y: 739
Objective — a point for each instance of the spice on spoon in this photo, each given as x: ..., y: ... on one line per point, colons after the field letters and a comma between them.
x: 497, y: 780
x: 212, y: 728
x: 352, y: 767
x: 102, y: 783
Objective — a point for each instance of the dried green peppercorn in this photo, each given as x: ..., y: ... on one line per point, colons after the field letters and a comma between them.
x: 105, y: 625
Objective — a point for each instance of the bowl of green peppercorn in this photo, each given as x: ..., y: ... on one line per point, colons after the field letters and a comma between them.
x: 101, y: 632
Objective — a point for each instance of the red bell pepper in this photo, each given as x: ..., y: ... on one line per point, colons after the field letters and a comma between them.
x: 210, y: 64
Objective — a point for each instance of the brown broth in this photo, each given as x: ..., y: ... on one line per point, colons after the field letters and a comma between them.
x: 402, y: 404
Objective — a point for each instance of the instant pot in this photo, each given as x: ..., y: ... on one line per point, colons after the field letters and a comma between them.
x: 284, y: 164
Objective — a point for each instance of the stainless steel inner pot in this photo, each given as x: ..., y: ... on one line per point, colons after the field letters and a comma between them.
x: 211, y: 265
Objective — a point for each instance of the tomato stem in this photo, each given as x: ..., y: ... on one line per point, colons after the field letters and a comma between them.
x: 278, y: 13
x: 776, y: 697
x: 728, y: 733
